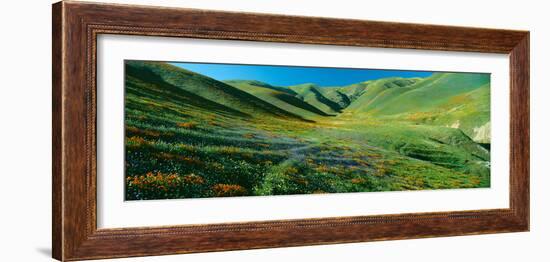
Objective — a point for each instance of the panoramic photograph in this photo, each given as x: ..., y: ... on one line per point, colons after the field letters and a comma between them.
x: 202, y: 130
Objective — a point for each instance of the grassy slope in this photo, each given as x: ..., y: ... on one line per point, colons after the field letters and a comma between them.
x: 336, y: 96
x: 205, y: 87
x: 182, y: 141
x: 351, y: 91
x: 381, y: 90
x: 204, y: 143
x: 444, y: 99
x: 344, y: 95
x: 311, y: 94
x: 471, y: 112
x: 433, y: 93
x: 280, y: 97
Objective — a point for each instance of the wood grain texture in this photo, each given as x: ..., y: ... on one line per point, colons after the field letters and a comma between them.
x: 57, y: 195
x: 76, y: 26
x: 519, y: 129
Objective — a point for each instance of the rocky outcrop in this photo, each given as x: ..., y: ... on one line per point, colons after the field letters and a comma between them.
x: 482, y: 134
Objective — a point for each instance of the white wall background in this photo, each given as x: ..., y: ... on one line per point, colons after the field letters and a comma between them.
x: 25, y: 124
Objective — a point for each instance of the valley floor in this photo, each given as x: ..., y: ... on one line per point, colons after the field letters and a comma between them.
x: 216, y: 156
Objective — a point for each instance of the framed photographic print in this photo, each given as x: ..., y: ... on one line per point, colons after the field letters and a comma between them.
x: 181, y: 130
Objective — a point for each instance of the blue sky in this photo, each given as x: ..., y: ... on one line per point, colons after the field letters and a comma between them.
x: 293, y: 75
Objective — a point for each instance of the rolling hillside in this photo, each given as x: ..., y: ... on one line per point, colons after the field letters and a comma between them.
x: 379, y: 91
x: 280, y: 97
x: 345, y: 95
x: 444, y: 99
x: 431, y: 94
x: 311, y: 94
x: 207, y: 88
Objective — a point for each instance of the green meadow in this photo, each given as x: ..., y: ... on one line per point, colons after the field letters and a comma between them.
x: 191, y: 136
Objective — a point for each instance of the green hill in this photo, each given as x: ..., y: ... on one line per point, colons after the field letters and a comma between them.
x: 432, y: 93
x: 311, y: 94
x: 352, y: 92
x: 280, y: 97
x: 445, y: 99
x: 381, y: 90
x: 252, y: 85
x: 207, y: 88
x: 337, y: 97
x: 469, y: 112
x: 344, y: 95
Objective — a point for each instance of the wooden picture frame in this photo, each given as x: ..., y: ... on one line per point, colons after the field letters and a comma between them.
x: 76, y: 26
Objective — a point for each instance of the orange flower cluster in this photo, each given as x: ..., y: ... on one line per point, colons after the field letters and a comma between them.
x: 151, y: 180
x: 180, y: 158
x: 159, y: 186
x: 223, y: 190
x: 188, y: 125
x: 193, y: 179
x: 138, y: 140
x: 133, y: 129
